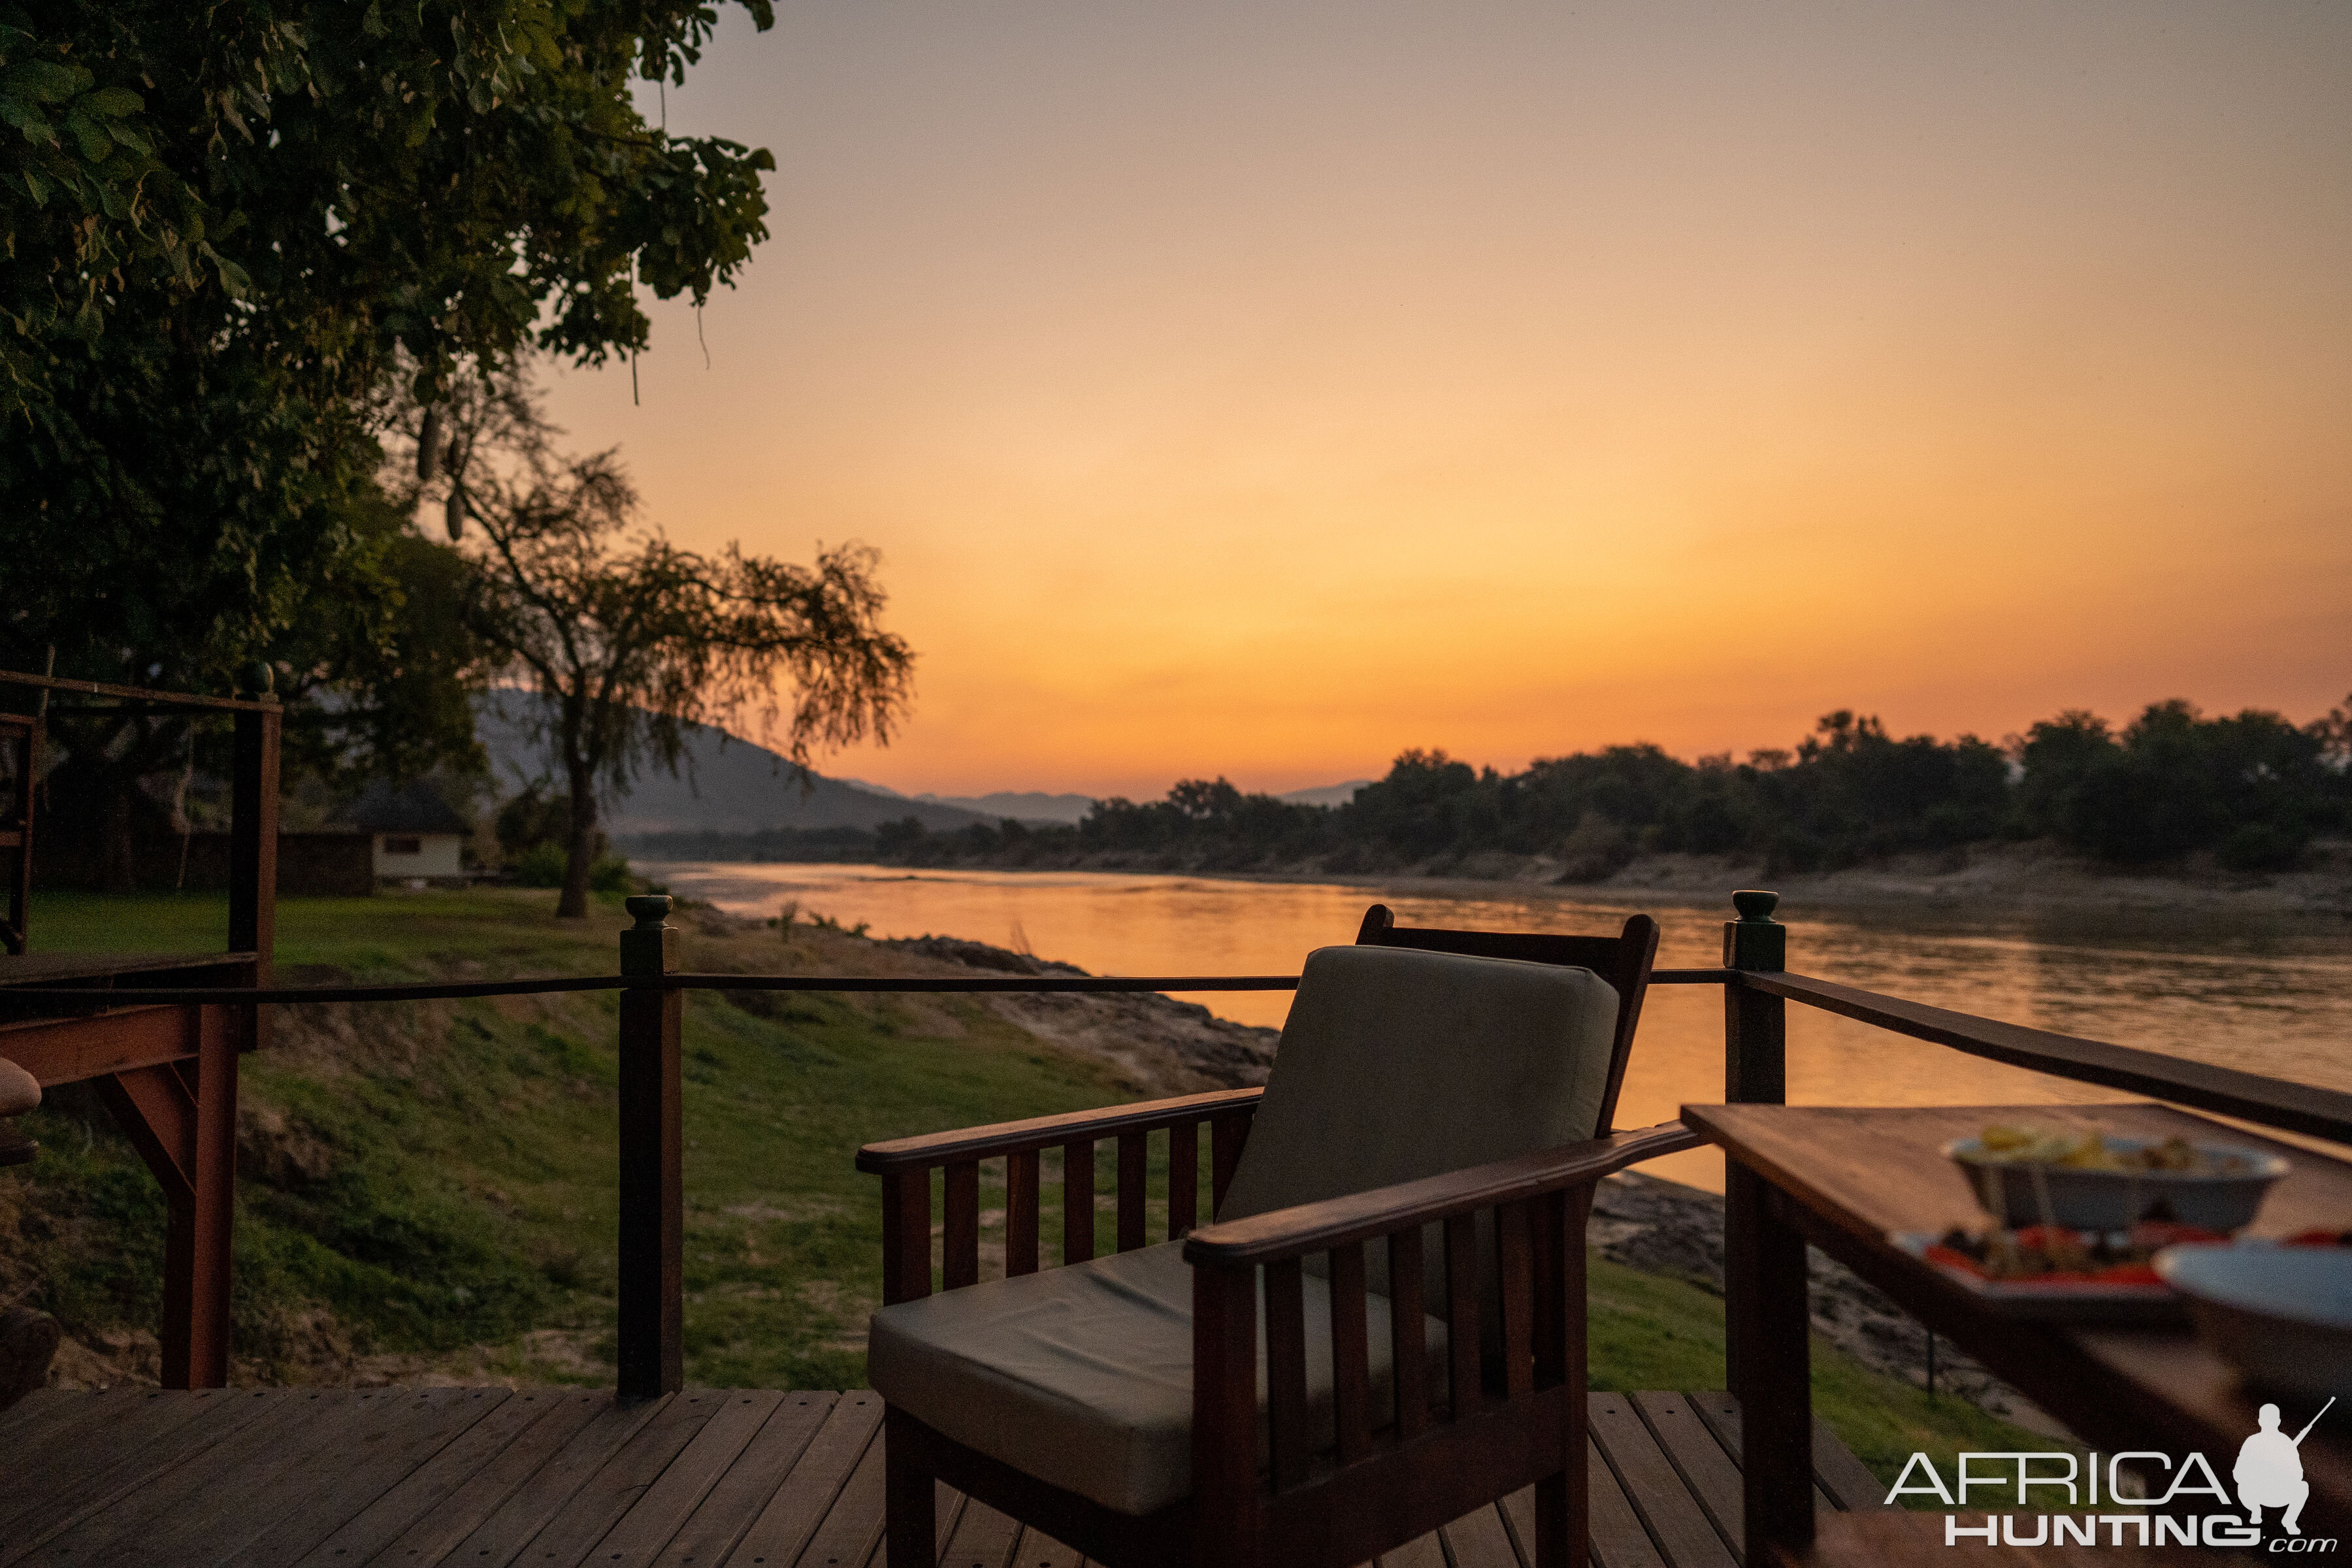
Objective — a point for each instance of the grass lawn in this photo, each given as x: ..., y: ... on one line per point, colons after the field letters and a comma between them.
x: 431, y: 1188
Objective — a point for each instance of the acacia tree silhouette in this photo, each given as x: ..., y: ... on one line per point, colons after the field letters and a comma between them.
x: 626, y: 639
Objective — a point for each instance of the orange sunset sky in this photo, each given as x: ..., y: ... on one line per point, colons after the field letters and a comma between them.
x: 1260, y: 389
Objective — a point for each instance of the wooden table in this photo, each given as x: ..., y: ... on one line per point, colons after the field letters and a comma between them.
x: 1846, y: 1179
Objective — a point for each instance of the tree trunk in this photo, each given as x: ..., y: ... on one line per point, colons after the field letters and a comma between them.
x: 579, y: 853
x: 118, y: 854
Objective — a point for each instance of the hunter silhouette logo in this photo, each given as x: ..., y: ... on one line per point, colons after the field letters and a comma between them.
x: 2269, y: 1475
x: 2269, y: 1472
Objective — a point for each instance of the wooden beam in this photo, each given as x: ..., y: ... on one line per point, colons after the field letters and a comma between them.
x: 182, y: 1118
x: 126, y: 1039
x: 157, y: 1112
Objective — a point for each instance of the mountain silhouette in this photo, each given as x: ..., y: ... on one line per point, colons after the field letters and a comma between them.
x: 724, y: 784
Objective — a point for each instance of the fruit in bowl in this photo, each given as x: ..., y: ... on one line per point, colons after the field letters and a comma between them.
x: 2092, y: 1181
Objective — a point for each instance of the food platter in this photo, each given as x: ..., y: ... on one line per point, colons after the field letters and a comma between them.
x: 2126, y: 1293
x: 2143, y: 1292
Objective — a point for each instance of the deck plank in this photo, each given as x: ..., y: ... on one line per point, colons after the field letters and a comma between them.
x: 1684, y: 1536
x: 1480, y: 1539
x: 1038, y: 1550
x: 549, y: 1480
x: 25, y: 1425
x: 1425, y: 1552
x: 1720, y: 1411
x: 123, y: 1445
x: 1706, y: 1468
x: 411, y: 1478
x: 776, y: 1538
x: 1613, y: 1531
x: 983, y: 1538
x: 851, y: 1530
x: 947, y: 1512
x: 1519, y: 1511
x: 121, y: 1528
x: 221, y: 1507
x: 606, y: 1497
x: 1620, y: 1540
x: 763, y: 1469
x: 435, y: 1484
x: 350, y: 1473
x: 663, y: 1507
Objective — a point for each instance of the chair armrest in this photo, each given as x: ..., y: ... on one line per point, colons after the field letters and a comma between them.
x: 1361, y: 1217
x: 1038, y: 1132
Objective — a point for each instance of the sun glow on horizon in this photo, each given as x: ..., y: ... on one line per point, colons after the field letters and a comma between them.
x: 1256, y: 393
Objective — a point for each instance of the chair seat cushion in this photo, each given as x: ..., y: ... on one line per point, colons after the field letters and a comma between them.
x: 1082, y: 1376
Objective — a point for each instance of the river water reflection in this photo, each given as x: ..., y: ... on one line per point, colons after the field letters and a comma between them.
x: 2271, y: 996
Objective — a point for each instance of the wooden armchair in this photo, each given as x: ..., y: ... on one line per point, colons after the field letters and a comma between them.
x: 1385, y: 1328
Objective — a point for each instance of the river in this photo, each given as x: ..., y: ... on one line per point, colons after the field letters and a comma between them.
x: 2269, y: 994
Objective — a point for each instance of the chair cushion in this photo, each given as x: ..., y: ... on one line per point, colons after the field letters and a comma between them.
x: 1397, y: 1064
x: 1082, y: 1375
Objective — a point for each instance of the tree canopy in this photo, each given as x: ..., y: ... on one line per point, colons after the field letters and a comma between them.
x: 625, y: 640
x: 2250, y: 790
x: 231, y: 232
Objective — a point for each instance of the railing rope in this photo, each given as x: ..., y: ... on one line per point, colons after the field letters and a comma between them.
x: 466, y: 990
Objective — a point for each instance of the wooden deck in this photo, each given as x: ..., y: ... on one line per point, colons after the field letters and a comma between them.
x: 67, y: 968
x: 706, y: 1479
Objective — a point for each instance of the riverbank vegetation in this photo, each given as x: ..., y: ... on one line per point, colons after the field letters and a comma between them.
x: 2247, y: 793
x: 429, y: 1191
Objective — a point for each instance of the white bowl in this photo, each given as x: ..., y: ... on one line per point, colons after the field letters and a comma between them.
x: 2282, y: 1315
x: 2116, y: 1200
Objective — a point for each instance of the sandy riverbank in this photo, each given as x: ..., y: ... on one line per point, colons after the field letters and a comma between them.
x: 1992, y: 880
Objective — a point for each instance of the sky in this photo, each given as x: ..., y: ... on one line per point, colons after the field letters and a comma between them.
x: 1260, y: 390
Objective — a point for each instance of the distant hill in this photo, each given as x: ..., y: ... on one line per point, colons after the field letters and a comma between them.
x: 1021, y: 805
x: 733, y: 788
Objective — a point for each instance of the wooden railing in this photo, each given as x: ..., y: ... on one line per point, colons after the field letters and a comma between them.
x: 1756, y: 986
x: 169, y: 1081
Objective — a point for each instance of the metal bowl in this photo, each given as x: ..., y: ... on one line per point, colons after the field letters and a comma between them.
x: 2282, y: 1315
x: 2018, y: 1193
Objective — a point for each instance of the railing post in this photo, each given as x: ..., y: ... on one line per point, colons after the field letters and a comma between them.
x: 253, y: 840
x: 652, y: 1209
x: 1755, y: 1027
x: 1755, y: 1071
x: 202, y: 1204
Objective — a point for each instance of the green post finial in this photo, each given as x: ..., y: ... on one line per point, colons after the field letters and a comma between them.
x: 650, y: 947
x: 257, y: 681
x: 1755, y: 941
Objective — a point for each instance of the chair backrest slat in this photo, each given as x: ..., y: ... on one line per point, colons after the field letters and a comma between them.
x: 1078, y: 1201
x: 1022, y: 1207
x: 1183, y: 1178
x: 1133, y: 1166
x: 1285, y: 1373
x: 1408, y: 1333
x: 1464, y: 1387
x: 1351, y: 1354
x: 1516, y: 1277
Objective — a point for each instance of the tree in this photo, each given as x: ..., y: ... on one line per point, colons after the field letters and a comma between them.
x: 625, y: 640
x: 229, y: 232
x: 337, y: 179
